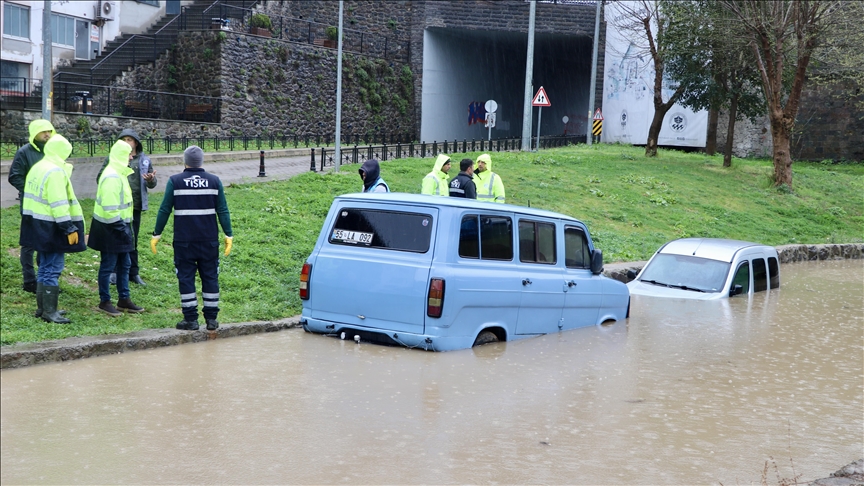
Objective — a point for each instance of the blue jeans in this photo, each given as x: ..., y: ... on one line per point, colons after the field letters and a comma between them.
x: 50, y: 267
x: 107, y: 265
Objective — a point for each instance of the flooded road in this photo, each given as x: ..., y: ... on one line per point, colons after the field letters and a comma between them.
x: 682, y: 393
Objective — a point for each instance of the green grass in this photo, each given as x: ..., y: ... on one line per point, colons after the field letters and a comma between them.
x: 631, y: 204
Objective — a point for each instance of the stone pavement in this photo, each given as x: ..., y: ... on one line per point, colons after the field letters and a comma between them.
x: 231, y: 167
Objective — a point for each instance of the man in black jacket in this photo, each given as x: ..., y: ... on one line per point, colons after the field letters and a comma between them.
x: 463, y: 184
x: 25, y: 158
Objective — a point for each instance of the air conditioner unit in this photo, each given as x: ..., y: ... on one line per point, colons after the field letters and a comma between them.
x: 107, y: 10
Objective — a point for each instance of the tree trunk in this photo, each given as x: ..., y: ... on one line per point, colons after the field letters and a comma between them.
x: 730, y: 131
x: 654, y: 131
x: 711, y: 138
x: 781, y: 136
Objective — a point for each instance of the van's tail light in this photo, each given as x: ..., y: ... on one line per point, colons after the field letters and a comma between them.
x: 436, y: 297
x: 304, y: 280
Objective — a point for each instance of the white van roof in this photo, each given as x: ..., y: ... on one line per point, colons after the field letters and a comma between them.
x: 711, y: 248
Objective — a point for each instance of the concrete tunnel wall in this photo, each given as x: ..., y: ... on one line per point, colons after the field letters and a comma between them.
x: 461, y: 68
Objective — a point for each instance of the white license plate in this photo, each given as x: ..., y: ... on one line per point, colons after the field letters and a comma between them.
x: 352, y: 236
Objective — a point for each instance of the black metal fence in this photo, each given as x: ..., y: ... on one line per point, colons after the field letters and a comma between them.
x: 355, y: 148
x: 26, y: 93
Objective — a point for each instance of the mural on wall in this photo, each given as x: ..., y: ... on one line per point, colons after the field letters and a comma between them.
x: 476, y: 113
x: 628, y: 91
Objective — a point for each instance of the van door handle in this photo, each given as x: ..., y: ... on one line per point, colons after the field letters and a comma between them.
x: 526, y: 281
x: 571, y: 283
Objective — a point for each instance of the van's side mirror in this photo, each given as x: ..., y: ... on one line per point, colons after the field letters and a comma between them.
x: 597, y: 262
x: 735, y: 290
x: 631, y: 275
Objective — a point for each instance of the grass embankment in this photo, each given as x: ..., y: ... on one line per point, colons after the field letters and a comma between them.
x: 631, y: 205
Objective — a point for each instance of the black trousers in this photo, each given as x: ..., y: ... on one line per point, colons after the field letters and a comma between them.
x: 202, y: 258
x: 133, y: 255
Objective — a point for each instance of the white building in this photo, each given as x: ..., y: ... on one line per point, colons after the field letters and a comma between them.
x: 80, y: 30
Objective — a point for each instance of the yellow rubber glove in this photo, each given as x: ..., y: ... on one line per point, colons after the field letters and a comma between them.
x: 153, y: 241
x: 73, y: 238
x: 229, y: 241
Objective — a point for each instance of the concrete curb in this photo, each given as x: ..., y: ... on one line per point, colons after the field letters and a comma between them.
x: 20, y: 355
x: 17, y: 356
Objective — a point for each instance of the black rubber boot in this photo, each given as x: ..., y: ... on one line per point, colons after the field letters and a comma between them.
x: 186, y: 325
x: 212, y: 324
x: 49, y: 305
x: 39, y: 292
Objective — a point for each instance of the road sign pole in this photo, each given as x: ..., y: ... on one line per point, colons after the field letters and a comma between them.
x: 539, y: 119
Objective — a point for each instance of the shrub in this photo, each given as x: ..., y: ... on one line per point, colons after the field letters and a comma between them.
x: 260, y: 20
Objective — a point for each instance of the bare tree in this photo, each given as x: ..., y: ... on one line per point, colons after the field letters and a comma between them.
x: 783, y: 35
x: 644, y: 24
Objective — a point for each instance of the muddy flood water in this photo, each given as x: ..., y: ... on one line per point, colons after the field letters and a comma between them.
x: 682, y: 393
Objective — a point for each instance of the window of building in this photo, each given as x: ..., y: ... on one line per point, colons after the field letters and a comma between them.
x: 14, y: 77
x: 62, y: 30
x: 16, y: 20
x: 154, y: 3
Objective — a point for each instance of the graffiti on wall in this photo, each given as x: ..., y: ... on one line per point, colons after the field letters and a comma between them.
x: 476, y: 113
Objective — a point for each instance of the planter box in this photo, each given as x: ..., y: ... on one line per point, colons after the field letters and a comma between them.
x: 326, y: 43
x: 261, y: 31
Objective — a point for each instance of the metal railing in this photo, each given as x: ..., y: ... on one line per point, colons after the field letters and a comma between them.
x: 26, y: 93
x: 356, y: 148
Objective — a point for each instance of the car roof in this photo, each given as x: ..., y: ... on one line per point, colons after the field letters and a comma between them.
x: 710, y: 248
x: 457, y: 202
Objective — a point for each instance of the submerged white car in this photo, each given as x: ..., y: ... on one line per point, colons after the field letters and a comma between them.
x: 708, y: 268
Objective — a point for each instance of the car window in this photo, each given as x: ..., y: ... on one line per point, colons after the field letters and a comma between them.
x: 576, y: 253
x: 686, y: 270
x: 774, y: 272
x: 486, y: 237
x: 536, y: 242
x: 760, y: 275
x: 742, y: 277
x: 390, y: 230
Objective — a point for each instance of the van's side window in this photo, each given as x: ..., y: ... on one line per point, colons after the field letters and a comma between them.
x: 536, y: 242
x: 760, y: 276
x: 742, y: 277
x: 774, y: 272
x: 389, y: 230
x: 576, y: 252
x: 486, y: 237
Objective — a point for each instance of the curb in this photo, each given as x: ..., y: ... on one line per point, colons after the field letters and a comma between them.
x: 17, y: 356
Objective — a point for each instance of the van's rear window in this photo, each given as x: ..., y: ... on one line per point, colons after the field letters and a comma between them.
x: 389, y: 230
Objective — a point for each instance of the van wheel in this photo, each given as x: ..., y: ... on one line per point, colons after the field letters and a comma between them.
x: 485, y: 337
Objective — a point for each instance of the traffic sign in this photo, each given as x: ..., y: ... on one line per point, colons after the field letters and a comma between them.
x: 540, y: 99
x: 491, y: 106
x: 598, y: 115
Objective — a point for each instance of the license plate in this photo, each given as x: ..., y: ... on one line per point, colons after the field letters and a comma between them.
x: 352, y: 236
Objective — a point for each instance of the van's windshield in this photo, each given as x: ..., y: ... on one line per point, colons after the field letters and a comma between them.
x: 390, y: 230
x: 686, y: 272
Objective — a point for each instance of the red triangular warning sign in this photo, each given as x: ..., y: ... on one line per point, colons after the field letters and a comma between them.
x: 540, y: 99
x: 598, y: 115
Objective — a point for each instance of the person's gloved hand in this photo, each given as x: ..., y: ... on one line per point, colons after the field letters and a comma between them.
x: 229, y: 241
x: 153, y: 241
x: 73, y: 238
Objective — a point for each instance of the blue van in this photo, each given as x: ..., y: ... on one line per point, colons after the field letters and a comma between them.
x: 442, y: 273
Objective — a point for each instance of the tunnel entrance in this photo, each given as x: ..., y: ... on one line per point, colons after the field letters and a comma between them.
x: 462, y: 69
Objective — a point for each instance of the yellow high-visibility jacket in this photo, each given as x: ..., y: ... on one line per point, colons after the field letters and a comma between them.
x: 435, y: 183
x: 111, y: 229
x: 490, y: 187
x: 49, y: 209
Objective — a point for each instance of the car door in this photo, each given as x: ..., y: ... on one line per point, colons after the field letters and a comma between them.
x: 541, y: 277
x: 583, y: 290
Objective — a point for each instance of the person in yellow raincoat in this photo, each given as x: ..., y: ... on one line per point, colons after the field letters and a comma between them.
x: 52, y: 223
x: 435, y: 183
